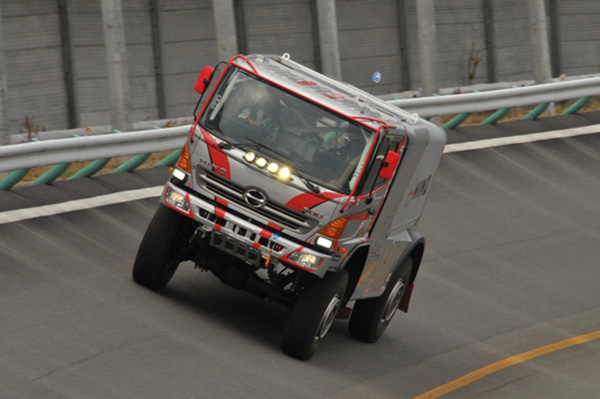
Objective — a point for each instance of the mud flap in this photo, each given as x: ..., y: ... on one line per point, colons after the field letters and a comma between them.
x: 403, y: 306
x: 344, y: 313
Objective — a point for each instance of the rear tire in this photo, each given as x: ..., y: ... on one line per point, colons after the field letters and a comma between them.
x: 370, y: 317
x: 156, y: 260
x: 313, y: 314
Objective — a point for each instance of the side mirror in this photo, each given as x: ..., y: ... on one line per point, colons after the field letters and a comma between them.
x: 204, y: 79
x: 389, y: 164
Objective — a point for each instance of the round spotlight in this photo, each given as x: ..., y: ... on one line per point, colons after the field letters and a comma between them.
x: 285, y: 173
x: 250, y: 156
x: 273, y: 167
x: 261, y: 162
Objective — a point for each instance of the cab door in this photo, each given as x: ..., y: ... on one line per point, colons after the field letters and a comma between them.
x: 381, y: 212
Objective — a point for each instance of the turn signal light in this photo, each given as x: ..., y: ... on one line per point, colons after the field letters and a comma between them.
x: 184, y: 162
x: 335, y: 228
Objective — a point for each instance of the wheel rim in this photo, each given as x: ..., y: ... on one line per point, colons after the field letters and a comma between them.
x: 393, y: 301
x: 328, y: 317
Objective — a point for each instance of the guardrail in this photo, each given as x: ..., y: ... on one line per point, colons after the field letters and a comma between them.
x: 19, y: 158
x: 499, y: 99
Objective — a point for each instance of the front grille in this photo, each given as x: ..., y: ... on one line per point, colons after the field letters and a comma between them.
x: 274, y: 212
x: 235, y: 248
x: 239, y: 232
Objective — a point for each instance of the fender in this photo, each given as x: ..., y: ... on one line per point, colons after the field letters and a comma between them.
x: 354, y: 264
x: 415, y: 250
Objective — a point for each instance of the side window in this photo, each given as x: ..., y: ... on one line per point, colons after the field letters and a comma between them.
x: 373, y: 180
x: 204, y: 97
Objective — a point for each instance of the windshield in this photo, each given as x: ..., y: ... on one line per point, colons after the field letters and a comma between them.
x: 316, y: 143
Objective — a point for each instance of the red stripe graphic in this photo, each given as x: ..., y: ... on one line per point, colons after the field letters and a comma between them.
x: 217, y: 156
x: 274, y: 226
x: 266, y: 234
x: 220, y: 212
x: 222, y: 202
x: 310, y: 200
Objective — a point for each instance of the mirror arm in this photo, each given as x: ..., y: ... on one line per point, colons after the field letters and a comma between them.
x: 370, y: 197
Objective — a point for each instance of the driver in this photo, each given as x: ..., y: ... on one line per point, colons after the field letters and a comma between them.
x: 264, y: 115
x: 349, y: 153
x: 337, y: 164
x: 354, y: 148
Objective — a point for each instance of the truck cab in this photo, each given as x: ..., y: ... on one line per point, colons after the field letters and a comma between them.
x: 302, y: 190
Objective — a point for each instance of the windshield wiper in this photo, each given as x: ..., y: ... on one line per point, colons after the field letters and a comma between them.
x: 285, y: 158
x: 248, y: 144
x: 308, y: 183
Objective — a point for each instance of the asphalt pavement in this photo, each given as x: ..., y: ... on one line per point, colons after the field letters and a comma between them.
x: 511, y: 265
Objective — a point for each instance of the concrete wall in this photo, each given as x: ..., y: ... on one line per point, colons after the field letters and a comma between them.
x: 189, y: 43
x: 34, y: 65
x: 369, y: 37
x: 513, y: 45
x: 279, y: 26
x: 579, y: 36
x: 166, y: 53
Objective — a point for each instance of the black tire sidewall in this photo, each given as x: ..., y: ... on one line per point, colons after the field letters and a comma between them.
x: 366, y: 320
x: 299, y: 336
x: 153, y: 267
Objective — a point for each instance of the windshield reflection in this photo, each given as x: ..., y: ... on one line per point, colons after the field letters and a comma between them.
x: 322, y: 146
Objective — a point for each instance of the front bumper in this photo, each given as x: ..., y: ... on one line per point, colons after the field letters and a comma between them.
x: 243, y: 238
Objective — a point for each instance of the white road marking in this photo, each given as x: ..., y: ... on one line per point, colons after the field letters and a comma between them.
x: 134, y: 195
x: 18, y: 215
x: 522, y: 139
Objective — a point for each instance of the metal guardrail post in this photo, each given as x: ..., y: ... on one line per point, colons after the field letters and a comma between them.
x: 53, y: 174
x: 457, y: 120
x: 576, y: 106
x: 132, y: 164
x: 13, y: 178
x: 93, y: 167
x: 495, y: 117
x: 536, y: 112
x: 170, y: 159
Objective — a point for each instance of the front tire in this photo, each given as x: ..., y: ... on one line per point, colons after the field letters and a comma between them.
x: 370, y: 317
x: 157, y: 260
x: 313, y: 314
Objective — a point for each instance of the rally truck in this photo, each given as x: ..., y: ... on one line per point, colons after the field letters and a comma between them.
x: 302, y: 190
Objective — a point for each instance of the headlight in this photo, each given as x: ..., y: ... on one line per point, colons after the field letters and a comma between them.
x: 177, y: 200
x: 250, y: 156
x: 308, y: 261
x: 273, y: 167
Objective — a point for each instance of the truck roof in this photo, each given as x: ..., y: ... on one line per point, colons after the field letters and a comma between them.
x: 341, y: 97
